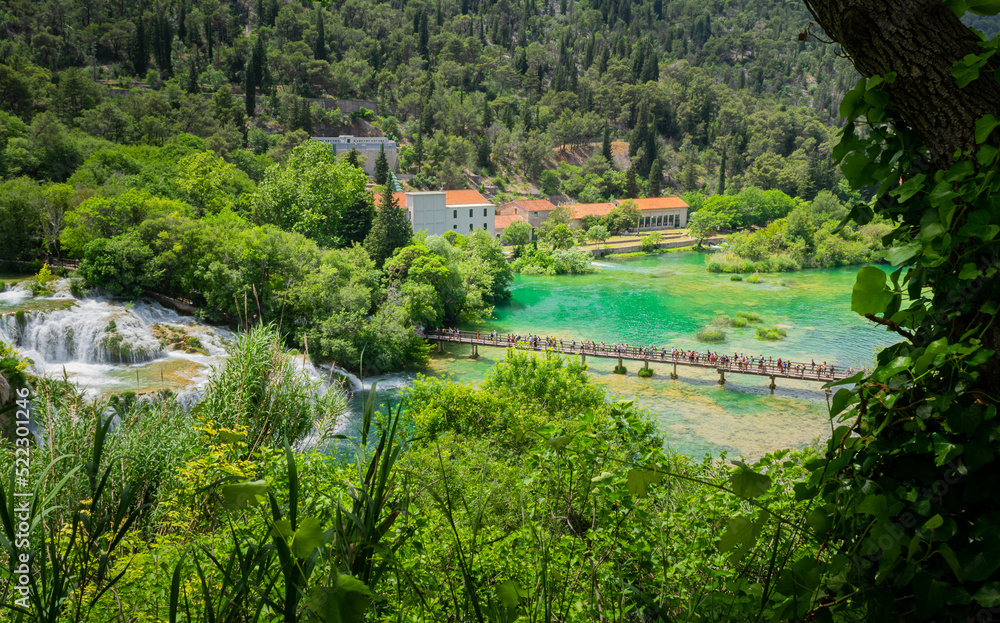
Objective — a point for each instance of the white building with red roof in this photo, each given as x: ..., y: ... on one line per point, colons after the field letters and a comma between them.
x: 436, y: 212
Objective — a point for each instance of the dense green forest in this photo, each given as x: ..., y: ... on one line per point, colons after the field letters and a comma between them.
x: 708, y: 90
x: 166, y: 145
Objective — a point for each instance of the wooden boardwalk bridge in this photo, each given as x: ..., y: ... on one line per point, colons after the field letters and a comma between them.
x: 721, y: 363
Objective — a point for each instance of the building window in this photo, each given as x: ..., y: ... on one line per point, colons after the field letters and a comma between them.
x: 470, y: 226
x: 454, y: 214
x: 470, y: 212
x: 485, y: 227
x: 484, y: 211
x: 454, y: 226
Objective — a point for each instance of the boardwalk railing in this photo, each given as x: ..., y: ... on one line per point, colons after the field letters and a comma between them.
x: 721, y: 363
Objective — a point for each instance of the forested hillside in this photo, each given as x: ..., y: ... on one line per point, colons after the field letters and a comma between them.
x: 713, y: 90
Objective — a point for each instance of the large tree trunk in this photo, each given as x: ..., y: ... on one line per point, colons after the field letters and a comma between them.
x: 920, y: 40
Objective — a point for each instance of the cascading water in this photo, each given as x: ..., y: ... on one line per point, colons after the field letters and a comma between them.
x: 106, y: 345
x: 92, y: 331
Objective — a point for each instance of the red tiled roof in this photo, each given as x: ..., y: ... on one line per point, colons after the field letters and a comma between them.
x: 580, y: 210
x: 535, y: 205
x: 657, y: 203
x: 503, y: 221
x: 400, y: 199
x: 463, y: 197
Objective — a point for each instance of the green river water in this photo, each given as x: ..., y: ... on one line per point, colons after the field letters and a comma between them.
x: 666, y: 300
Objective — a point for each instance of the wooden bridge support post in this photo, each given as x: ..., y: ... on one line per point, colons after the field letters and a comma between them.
x: 440, y: 346
x: 772, y: 386
x: 583, y: 359
x: 722, y: 376
x: 475, y: 352
x: 673, y: 374
x: 647, y: 364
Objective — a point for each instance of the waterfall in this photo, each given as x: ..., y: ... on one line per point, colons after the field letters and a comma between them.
x: 91, y: 331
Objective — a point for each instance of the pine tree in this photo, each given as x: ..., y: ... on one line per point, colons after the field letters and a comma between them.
x: 722, y: 174
x: 655, y: 177
x: 356, y: 219
x: 606, y: 146
x: 631, y: 185
x: 440, y: 15
x: 319, y: 51
x: 382, y: 167
x: 390, y: 230
x: 354, y: 158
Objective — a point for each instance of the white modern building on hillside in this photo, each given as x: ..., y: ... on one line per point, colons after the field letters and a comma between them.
x: 367, y: 146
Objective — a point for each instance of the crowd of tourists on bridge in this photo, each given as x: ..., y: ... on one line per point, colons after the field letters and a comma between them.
x: 737, y: 361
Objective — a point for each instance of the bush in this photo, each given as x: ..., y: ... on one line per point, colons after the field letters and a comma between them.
x: 731, y: 277
x: 739, y: 322
x: 772, y: 334
x: 645, y: 373
x: 754, y: 278
x: 711, y: 334
x: 620, y: 370
x: 652, y: 242
x: 748, y: 316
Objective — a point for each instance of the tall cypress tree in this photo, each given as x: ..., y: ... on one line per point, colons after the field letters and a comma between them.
x: 138, y: 49
x: 423, y: 37
x: 390, y: 230
x: 487, y: 114
x: 382, y: 167
x: 191, y: 84
x: 251, y: 91
x: 257, y: 60
x: 483, y: 153
x: 722, y: 174
x: 181, y: 21
x: 319, y: 51
x: 606, y: 146
x: 639, y: 131
x: 655, y: 177
x: 631, y: 185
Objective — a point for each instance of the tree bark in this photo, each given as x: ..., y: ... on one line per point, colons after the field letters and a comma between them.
x: 919, y: 40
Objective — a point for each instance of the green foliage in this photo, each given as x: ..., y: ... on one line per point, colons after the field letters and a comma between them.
x: 651, y: 242
x: 552, y: 262
x: 645, y: 373
x: 264, y: 391
x: 310, y: 195
x: 516, y: 234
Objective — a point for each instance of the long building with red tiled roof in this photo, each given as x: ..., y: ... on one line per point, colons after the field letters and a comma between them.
x: 579, y: 210
x: 660, y: 212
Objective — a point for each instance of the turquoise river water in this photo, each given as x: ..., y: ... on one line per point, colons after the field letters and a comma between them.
x: 666, y: 300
